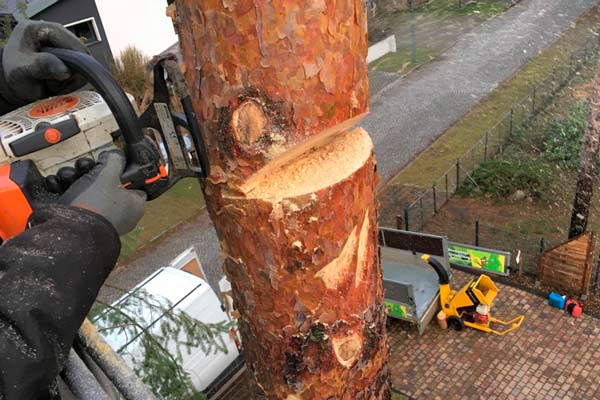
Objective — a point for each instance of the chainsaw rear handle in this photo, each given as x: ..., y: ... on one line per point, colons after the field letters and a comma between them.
x: 143, y: 159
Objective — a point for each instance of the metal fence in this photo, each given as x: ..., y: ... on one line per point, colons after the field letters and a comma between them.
x: 522, y: 116
x: 526, y: 248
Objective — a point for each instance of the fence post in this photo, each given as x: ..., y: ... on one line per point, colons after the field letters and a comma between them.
x: 400, y: 222
x: 542, y: 246
x: 485, y: 147
x: 434, y: 199
x: 406, y: 227
x: 597, y: 277
x: 447, y: 195
x: 477, y: 233
x: 422, y: 213
x: 512, y: 114
x: 533, y: 102
x: 457, y: 174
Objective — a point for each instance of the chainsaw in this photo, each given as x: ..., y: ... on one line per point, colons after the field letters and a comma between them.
x: 161, y: 146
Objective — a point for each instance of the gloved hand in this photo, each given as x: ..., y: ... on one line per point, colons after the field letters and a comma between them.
x: 100, y: 190
x: 33, y: 75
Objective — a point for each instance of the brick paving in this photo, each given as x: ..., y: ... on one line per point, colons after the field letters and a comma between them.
x: 551, y: 356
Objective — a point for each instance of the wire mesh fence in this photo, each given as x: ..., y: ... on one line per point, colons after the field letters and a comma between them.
x: 526, y: 248
x: 522, y: 116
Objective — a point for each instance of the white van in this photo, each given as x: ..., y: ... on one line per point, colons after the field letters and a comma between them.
x: 178, y: 287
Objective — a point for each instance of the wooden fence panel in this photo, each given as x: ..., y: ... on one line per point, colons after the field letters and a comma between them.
x: 569, y: 266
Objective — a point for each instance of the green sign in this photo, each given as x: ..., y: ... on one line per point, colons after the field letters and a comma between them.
x: 395, y: 310
x: 486, y: 260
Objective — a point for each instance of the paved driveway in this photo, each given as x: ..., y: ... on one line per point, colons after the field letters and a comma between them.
x: 551, y: 356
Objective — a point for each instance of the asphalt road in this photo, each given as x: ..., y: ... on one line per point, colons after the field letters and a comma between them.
x: 406, y: 114
x: 409, y: 114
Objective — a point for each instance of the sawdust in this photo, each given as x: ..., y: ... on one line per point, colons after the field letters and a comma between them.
x: 288, y: 156
x: 317, y: 168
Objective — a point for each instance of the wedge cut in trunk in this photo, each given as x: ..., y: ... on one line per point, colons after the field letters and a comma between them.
x: 277, y: 87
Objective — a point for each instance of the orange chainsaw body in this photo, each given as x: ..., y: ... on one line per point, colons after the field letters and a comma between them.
x: 15, y: 208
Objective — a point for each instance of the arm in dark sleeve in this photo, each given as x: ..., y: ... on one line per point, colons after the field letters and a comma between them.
x: 49, y: 278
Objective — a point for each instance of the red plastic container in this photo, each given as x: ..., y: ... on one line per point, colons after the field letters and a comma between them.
x: 574, y: 307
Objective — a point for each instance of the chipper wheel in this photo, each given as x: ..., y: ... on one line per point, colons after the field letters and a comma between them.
x: 455, y: 323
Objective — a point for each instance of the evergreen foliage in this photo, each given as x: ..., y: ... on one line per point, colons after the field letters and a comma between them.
x: 153, y: 334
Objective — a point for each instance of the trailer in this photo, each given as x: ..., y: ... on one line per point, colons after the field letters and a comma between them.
x: 412, y: 289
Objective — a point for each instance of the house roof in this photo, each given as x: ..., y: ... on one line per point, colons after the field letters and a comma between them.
x: 174, y: 49
x: 9, y: 6
x: 34, y: 7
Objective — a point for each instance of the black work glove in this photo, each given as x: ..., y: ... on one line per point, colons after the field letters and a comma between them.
x: 50, y: 276
x: 30, y: 74
x: 98, y: 188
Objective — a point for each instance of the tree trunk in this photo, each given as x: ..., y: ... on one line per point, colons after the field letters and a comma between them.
x: 587, y: 167
x: 277, y: 85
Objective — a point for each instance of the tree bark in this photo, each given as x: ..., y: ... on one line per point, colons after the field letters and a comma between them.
x: 587, y: 168
x: 277, y: 85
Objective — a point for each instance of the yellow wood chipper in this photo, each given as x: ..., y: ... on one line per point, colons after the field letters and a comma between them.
x: 470, y: 306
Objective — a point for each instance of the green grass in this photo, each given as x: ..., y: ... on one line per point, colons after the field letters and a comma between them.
x: 401, y: 61
x: 451, y: 7
x: 182, y: 202
x: 435, y: 160
x: 502, y: 178
x: 442, y: 13
x: 398, y: 396
x: 563, y: 137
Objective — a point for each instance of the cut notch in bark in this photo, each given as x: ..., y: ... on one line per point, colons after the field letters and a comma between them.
x: 338, y: 270
x: 363, y: 262
x: 317, y: 168
x: 347, y: 349
x: 294, y: 153
x: 249, y: 123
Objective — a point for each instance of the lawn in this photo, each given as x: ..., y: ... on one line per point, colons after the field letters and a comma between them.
x: 437, y: 14
x: 485, y: 9
x: 401, y: 61
x: 180, y: 204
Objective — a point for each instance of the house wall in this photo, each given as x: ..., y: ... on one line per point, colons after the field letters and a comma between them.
x: 69, y: 11
x: 141, y: 23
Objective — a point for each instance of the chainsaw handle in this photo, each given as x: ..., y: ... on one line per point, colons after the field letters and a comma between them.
x: 101, y: 79
x: 143, y: 159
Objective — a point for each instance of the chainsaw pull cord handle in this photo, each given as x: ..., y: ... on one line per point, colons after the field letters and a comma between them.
x: 143, y: 159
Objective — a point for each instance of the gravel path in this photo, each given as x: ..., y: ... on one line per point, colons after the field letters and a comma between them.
x: 406, y: 114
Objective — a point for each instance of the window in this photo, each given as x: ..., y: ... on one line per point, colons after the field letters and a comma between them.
x: 86, y: 30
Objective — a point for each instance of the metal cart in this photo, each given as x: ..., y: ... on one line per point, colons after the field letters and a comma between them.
x: 412, y: 288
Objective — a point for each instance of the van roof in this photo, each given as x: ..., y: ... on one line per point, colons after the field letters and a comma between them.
x: 166, y: 289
